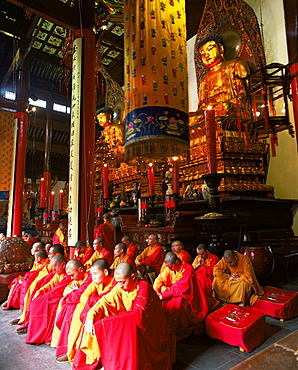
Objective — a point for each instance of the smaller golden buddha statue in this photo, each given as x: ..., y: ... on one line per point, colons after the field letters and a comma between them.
x: 113, y: 133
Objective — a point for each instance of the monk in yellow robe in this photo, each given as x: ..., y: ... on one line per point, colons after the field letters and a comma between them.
x: 203, y: 265
x: 120, y: 255
x: 68, y: 320
x: 184, y: 301
x: 82, y: 252
x: 177, y: 247
x: 235, y: 280
x: 44, y: 307
x: 99, y: 252
x: 58, y: 264
x: 20, y: 283
x: 149, y: 262
x: 131, y: 307
x: 132, y: 250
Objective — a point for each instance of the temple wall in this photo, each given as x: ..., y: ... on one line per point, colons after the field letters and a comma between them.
x: 283, y: 169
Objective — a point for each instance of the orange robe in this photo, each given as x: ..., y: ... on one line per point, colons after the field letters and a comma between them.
x: 126, y: 258
x: 68, y: 320
x: 106, y: 231
x: 184, y: 256
x: 59, y: 237
x: 152, y: 256
x: 96, y: 255
x: 247, y: 287
x: 184, y: 301
x: 134, y: 312
x: 204, y: 272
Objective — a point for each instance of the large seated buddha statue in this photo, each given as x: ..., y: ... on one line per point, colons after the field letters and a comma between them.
x: 221, y: 87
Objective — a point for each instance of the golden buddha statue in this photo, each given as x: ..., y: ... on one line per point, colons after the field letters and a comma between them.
x: 113, y: 133
x: 221, y: 87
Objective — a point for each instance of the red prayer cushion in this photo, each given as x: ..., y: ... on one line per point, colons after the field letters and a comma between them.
x: 237, y: 326
x: 278, y: 303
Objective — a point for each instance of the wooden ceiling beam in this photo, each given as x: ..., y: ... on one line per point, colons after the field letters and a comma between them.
x: 54, y: 11
x: 40, y: 146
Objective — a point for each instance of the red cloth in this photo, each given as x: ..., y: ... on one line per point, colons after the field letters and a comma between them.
x: 185, y: 303
x: 14, y: 299
x: 31, y: 241
x: 42, y: 313
x: 147, y: 338
x: 237, y: 326
x: 278, y: 303
x: 132, y: 251
x: 39, y: 285
x: 63, y: 320
x: 204, y: 274
x: 107, y: 233
x: 87, y: 256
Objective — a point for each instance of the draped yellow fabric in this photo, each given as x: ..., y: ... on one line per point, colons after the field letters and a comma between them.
x: 155, y: 78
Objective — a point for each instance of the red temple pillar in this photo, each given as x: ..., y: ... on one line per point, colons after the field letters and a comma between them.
x: 81, y: 172
x: 15, y: 216
x: 47, y: 154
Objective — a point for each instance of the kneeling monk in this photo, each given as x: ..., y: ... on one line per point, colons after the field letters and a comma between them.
x: 126, y: 329
x: 235, y: 280
x: 184, y: 301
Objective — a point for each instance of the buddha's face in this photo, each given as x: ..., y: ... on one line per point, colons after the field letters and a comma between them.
x: 211, y: 54
x: 104, y: 119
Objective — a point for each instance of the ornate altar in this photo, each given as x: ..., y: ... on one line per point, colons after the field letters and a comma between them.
x: 240, y: 156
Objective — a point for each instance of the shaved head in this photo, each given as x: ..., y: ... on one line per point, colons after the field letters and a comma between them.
x: 229, y: 254
x: 171, y: 258
x: 201, y: 247
x: 75, y: 269
x: 58, y: 259
x: 74, y: 264
x: 57, y: 249
x: 101, y: 264
x: 80, y: 244
x: 42, y: 253
x: 124, y: 269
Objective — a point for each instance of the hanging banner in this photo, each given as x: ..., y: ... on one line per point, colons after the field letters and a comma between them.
x: 74, y: 157
x: 12, y: 183
x: 156, y: 124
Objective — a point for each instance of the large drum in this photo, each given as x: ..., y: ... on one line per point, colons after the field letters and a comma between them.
x: 261, y: 257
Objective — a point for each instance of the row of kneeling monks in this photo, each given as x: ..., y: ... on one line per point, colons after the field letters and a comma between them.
x: 128, y: 311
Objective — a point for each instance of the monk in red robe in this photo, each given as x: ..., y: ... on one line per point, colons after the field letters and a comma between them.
x: 60, y: 236
x: 99, y: 252
x: 203, y: 265
x: 82, y: 252
x: 120, y: 255
x: 152, y: 258
x: 107, y: 231
x: 68, y: 320
x: 132, y: 250
x: 132, y: 307
x: 57, y: 275
x: 44, y: 307
x: 41, y: 261
x: 177, y: 247
x: 184, y: 301
x: 41, y: 279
